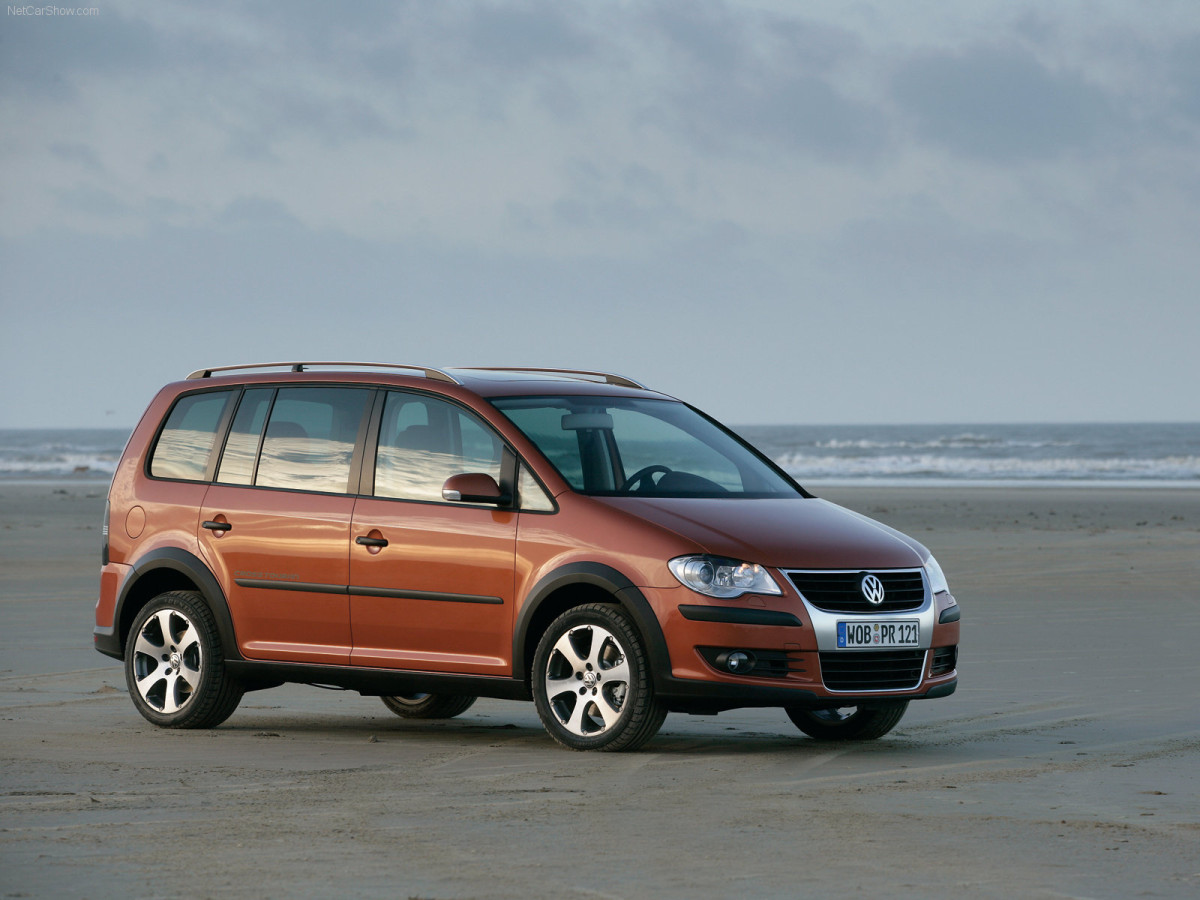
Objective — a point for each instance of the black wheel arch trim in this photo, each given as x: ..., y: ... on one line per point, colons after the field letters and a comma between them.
x: 196, y: 571
x: 610, y: 580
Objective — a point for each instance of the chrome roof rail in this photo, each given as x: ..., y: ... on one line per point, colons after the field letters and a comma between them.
x: 583, y: 374
x: 434, y: 374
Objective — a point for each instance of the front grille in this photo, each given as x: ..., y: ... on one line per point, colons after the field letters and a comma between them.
x: 904, y: 590
x: 944, y: 660
x: 872, y: 670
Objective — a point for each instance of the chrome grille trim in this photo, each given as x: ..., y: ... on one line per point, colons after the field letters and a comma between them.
x: 824, y: 622
x: 837, y: 590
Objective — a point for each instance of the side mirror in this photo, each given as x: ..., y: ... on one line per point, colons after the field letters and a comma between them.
x: 474, y: 487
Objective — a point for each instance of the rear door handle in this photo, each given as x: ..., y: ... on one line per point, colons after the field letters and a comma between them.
x: 370, y: 541
x: 217, y: 526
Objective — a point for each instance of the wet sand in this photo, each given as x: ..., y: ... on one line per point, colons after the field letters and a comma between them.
x: 1066, y: 765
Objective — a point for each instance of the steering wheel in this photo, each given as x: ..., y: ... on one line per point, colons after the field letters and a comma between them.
x: 641, y: 478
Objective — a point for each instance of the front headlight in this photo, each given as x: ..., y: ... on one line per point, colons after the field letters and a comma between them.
x: 715, y: 576
x: 937, y: 578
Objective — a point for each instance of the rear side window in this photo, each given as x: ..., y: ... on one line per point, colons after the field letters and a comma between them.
x: 310, y: 438
x: 185, y: 445
x: 241, y: 448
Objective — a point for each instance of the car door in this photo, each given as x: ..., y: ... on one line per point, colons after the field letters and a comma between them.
x: 275, y: 525
x: 432, y: 581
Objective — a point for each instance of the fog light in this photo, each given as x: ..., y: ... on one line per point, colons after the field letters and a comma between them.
x: 739, y: 662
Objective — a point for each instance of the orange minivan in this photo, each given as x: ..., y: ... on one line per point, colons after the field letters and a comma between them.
x: 430, y: 536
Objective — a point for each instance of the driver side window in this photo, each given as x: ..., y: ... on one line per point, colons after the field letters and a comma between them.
x: 423, y: 441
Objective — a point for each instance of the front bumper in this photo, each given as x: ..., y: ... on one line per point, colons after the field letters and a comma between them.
x: 795, y: 656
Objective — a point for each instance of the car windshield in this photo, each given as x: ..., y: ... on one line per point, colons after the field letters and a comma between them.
x: 655, y: 448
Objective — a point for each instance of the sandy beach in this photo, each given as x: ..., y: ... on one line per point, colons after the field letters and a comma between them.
x: 1066, y: 765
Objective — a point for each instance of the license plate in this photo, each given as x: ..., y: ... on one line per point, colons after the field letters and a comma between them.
x: 878, y: 634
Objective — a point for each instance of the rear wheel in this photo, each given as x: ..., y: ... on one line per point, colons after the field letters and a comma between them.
x: 174, y: 666
x: 427, y: 706
x: 849, y: 723
x: 591, y: 681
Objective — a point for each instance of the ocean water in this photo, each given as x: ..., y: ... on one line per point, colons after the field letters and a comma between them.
x: 1133, y: 454
x: 53, y: 454
x: 1113, y: 454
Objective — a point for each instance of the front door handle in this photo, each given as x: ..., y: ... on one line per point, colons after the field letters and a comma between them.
x: 367, y: 541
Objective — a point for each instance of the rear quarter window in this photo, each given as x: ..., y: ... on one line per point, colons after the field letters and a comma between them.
x: 185, y: 445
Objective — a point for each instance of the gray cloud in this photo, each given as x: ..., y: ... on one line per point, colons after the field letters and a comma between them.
x: 631, y: 198
x: 809, y: 185
x: 1002, y: 105
x: 77, y: 153
x: 1185, y: 73
x: 746, y: 81
x: 257, y: 213
x: 93, y: 202
x: 44, y: 56
x: 517, y: 38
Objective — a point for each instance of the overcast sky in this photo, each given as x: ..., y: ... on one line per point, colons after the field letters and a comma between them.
x: 800, y: 212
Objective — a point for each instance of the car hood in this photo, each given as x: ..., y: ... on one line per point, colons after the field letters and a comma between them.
x: 783, y: 533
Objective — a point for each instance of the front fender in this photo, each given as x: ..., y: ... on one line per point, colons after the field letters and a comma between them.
x: 531, y: 620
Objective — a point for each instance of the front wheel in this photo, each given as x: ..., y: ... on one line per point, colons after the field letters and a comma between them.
x: 427, y: 706
x: 174, y: 666
x: 849, y: 723
x: 591, y: 681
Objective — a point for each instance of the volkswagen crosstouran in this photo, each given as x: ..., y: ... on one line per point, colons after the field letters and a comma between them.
x: 430, y: 536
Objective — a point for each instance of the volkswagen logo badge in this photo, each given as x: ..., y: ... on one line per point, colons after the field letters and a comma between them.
x: 872, y: 589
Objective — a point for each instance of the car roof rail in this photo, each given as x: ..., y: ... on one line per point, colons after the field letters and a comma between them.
x: 429, y: 372
x: 581, y: 374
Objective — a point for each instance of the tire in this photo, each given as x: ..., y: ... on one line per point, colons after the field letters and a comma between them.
x: 174, y: 666
x: 853, y: 723
x: 591, y: 681
x: 427, y: 706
